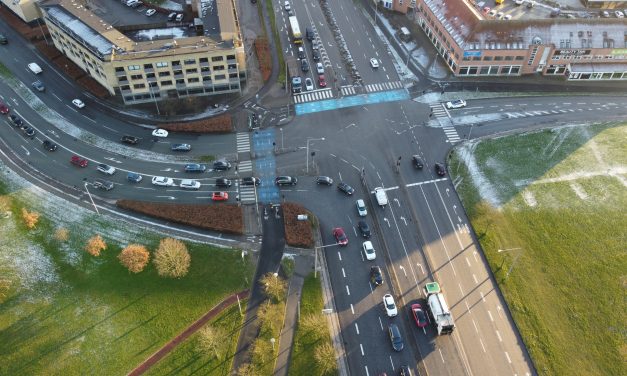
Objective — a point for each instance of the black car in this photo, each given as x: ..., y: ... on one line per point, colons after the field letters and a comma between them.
x: 195, y: 167
x: 103, y: 184
x: 376, y: 276
x: 39, y: 86
x: 49, y: 145
x: 364, y: 229
x: 285, y: 180
x: 180, y: 147
x: 315, y: 55
x: 15, y: 120
x: 221, y: 165
x: 132, y: 140
x: 251, y: 181
x: 405, y: 371
x: 440, y: 169
x: 395, y: 337
x: 309, y: 34
x: 346, y: 188
x: 223, y: 182
x: 324, y: 180
x: 417, y: 161
x: 29, y: 132
x: 304, y: 66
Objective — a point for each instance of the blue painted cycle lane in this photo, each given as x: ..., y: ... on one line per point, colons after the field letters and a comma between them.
x: 265, y: 165
x: 355, y: 100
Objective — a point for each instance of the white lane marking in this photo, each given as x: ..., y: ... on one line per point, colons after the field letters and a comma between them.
x: 489, y: 313
x: 420, y: 266
x: 347, y: 290
x: 343, y: 273
x: 381, y: 323
x: 441, y: 356
x: 460, y: 288
x: 482, y: 296
x: 467, y: 262
x: 498, y: 310
x: 473, y: 323
x: 475, y: 278
x: 437, y: 228
x: 352, y: 309
x: 391, y: 362
x: 362, y: 349
x: 339, y: 255
x: 508, y: 358
x: 357, y: 328
x: 367, y: 373
x: 497, y: 334
x: 424, y: 182
x: 482, y: 346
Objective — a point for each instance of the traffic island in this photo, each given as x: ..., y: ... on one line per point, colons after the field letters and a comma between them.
x: 299, y: 224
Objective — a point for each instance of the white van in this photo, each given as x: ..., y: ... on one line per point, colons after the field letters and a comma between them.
x: 35, y: 68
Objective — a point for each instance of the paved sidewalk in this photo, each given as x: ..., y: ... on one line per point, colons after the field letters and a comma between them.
x: 302, y: 267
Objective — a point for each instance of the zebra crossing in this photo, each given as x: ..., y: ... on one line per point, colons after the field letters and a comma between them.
x: 438, y: 110
x: 243, y: 142
x: 311, y: 96
x: 516, y: 115
x: 348, y: 90
x: 451, y: 134
x: 371, y: 88
x: 247, y: 194
x: 442, y: 116
x: 245, y: 166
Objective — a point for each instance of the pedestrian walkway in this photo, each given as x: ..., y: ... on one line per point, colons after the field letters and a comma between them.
x: 243, y: 142
x: 311, y: 96
x: 348, y: 90
x: 371, y: 88
x: 355, y: 100
x: 245, y: 166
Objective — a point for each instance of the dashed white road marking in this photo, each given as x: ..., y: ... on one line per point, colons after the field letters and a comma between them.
x: 362, y: 349
x: 497, y: 334
x: 508, y: 358
x: 357, y: 328
x: 347, y: 290
x: 489, y: 313
x: 352, y: 309
x: 343, y: 273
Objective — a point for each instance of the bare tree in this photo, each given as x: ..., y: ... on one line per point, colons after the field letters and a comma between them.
x: 95, y: 245
x: 171, y: 258
x: 273, y: 286
x: 325, y: 358
x: 134, y: 257
x: 211, y: 339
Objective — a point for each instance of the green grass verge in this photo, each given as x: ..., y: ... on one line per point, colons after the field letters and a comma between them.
x: 277, y: 41
x: 187, y: 359
x: 302, y: 361
x: 558, y: 203
x: 70, y: 313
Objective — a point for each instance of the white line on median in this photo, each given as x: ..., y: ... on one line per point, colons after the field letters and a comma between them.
x: 380, y: 322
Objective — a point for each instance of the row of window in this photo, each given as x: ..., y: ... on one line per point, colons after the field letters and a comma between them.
x: 192, y: 80
x: 181, y: 93
x: 491, y: 70
x: 598, y: 76
x: 493, y: 58
x: 71, y: 49
x: 177, y: 63
x: 589, y: 57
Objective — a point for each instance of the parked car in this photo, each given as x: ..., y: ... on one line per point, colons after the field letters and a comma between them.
x: 15, y: 120
x: 395, y: 337
x: 364, y: 229
x: 190, y: 184
x: 458, y: 103
x: 304, y: 65
x: 171, y: 16
x: 162, y: 181
x: 369, y: 251
x: 376, y: 275
x: 132, y: 140
x: 78, y: 161
x: 340, y: 236
x: 619, y: 14
x: 285, y: 180
x: 309, y: 86
x: 361, y: 208
x: 105, y: 169
x: 374, y: 63
x: 322, y: 82
x: 223, y: 182
x: 251, y: 181
x: 4, y: 109
x: 346, y: 188
x: 160, y: 133
x: 324, y: 180
x: 417, y: 162
x: 134, y: 177
x: 420, y: 317
x: 179, y: 17
x: 320, y: 68
x: 404, y: 370
x: 78, y: 103
x: 150, y: 12
x: 221, y: 165
x: 220, y: 196
x: 103, y: 184
x: 440, y: 169
x: 390, y: 305
x: 39, y: 86
x: 180, y: 147
x: 195, y: 167
x: 3, y: 39
x: 315, y: 55
x: 49, y: 145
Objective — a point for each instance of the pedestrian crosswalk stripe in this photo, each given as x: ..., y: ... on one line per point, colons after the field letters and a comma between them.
x: 313, y: 96
x: 245, y: 166
x: 243, y: 142
x: 246, y: 194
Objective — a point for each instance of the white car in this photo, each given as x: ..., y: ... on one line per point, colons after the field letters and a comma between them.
x: 374, y: 63
x: 390, y: 306
x: 507, y: 17
x: 190, y: 184
x: 162, y: 181
x: 492, y: 13
x: 150, y: 12
x: 309, y: 84
x: 106, y: 169
x: 369, y: 251
x: 361, y: 208
x: 287, y: 6
x: 519, y: 2
x: 619, y: 14
x: 160, y: 133
x: 78, y: 103
x: 458, y: 103
x: 320, y: 68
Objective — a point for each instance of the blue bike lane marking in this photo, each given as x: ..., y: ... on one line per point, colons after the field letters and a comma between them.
x: 265, y: 165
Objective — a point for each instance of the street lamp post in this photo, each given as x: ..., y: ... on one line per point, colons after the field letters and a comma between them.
x: 311, y: 139
x: 91, y: 199
x: 515, y: 259
x: 316, y: 256
x: 281, y: 129
x: 272, y: 341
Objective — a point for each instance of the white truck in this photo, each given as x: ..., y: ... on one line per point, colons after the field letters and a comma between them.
x: 382, y: 197
x: 442, y: 317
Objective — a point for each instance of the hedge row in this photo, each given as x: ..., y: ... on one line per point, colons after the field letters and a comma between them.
x: 263, y: 56
x: 225, y: 218
x: 297, y: 233
x: 218, y: 124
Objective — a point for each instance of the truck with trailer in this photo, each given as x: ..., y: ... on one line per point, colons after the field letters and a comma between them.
x: 294, y: 74
x: 438, y: 310
x: 382, y: 197
x: 297, y: 36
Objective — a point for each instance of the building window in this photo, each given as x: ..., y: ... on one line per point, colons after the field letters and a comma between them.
x: 230, y: 57
x: 119, y: 69
x: 162, y: 64
x: 136, y: 77
x: 164, y: 74
x: 233, y: 75
x: 218, y: 68
x: 203, y: 60
x: 175, y: 63
x: 190, y: 61
x: 178, y: 72
x: 166, y: 83
x: 232, y: 66
x: 139, y: 86
x: 498, y: 58
x: 133, y: 67
x: 487, y: 58
x: 180, y: 82
x: 220, y: 77
x: 520, y: 58
x: 147, y: 66
x: 150, y: 75
x: 206, y: 78
x: 152, y: 84
x: 192, y: 80
x: 509, y: 58
x: 217, y: 58
x: 191, y: 71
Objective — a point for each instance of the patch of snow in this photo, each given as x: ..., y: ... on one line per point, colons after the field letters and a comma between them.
x: 529, y: 198
x: 579, y: 191
x: 172, y: 32
x: 420, y: 56
x: 399, y: 63
x: 483, y: 185
x: 171, y: 5
x: 614, y: 172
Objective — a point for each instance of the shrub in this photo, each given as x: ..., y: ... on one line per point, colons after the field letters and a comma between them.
x: 217, y: 124
x: 30, y: 218
x: 95, y: 245
x: 62, y: 234
x: 263, y: 55
x: 297, y: 233
x: 171, y: 258
x: 134, y: 257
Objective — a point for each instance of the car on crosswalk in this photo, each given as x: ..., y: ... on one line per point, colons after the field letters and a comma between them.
x: 457, y: 103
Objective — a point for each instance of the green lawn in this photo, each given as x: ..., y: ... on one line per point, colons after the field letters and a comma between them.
x: 68, y: 313
x: 560, y: 196
x: 302, y: 361
x: 186, y: 359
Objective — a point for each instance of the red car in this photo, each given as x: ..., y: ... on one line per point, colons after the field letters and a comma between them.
x: 419, y: 315
x: 321, y: 81
x: 3, y: 108
x: 340, y: 236
x: 78, y: 161
x: 220, y: 196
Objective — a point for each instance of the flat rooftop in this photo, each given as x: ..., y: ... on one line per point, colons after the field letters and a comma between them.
x: 540, y: 9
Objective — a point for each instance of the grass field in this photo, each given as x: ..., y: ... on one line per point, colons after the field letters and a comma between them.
x: 302, y: 361
x: 68, y: 313
x: 557, y: 199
